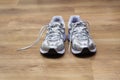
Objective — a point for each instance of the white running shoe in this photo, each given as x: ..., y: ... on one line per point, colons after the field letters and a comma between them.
x: 79, y: 36
x: 55, y: 37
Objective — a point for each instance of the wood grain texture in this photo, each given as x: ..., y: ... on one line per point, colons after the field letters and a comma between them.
x: 20, y: 21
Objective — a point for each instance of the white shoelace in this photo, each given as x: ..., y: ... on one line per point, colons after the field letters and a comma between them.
x: 42, y: 30
x: 37, y: 40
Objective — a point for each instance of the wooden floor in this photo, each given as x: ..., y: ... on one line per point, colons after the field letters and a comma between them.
x: 20, y: 21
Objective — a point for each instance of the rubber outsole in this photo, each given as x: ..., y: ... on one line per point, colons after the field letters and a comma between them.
x: 52, y: 54
x: 85, y: 53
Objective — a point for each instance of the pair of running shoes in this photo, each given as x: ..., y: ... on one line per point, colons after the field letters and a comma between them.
x: 79, y: 38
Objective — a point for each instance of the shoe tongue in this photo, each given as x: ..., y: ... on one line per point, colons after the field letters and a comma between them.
x: 78, y: 26
x: 80, y: 23
x: 55, y: 24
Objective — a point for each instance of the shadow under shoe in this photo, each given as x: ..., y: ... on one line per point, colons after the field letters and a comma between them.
x: 85, y: 53
x: 52, y: 54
